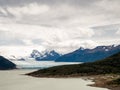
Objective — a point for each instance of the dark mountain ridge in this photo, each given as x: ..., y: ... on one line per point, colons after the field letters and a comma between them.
x: 5, y: 64
x: 89, y: 55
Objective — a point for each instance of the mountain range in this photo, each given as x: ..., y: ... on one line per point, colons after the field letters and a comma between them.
x: 89, y: 55
x: 46, y: 55
x: 80, y: 55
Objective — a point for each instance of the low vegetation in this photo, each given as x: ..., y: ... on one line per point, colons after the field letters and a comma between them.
x: 115, y: 82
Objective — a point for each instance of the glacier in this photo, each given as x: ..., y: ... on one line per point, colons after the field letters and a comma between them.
x: 31, y: 63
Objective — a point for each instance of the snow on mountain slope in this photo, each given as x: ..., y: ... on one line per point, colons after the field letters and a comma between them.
x: 18, y: 51
x: 45, y: 55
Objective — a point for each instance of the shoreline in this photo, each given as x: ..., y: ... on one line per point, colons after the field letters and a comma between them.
x: 10, y: 80
x: 103, y: 81
x: 100, y: 81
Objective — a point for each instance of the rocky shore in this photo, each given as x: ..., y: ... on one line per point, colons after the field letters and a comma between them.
x: 110, y: 81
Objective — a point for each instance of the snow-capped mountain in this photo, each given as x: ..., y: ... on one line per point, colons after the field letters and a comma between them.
x: 35, y: 60
x: 45, y: 55
x: 31, y: 63
x: 89, y: 55
x: 49, y: 58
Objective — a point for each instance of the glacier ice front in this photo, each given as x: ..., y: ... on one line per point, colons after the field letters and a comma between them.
x: 33, y: 64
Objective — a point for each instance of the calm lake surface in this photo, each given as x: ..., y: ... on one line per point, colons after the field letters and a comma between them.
x: 15, y: 80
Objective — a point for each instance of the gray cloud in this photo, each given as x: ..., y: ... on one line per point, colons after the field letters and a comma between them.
x: 75, y: 12
x: 50, y: 2
x: 59, y: 23
x: 107, y: 31
x: 8, y: 38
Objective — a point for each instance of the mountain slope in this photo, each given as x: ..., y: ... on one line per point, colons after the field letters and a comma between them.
x: 46, y: 55
x: 110, y: 65
x: 6, y: 64
x: 89, y: 55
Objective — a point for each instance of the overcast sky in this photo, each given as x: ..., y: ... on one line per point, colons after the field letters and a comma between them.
x: 63, y: 25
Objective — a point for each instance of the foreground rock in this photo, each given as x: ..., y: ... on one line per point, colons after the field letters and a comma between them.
x: 110, y: 81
